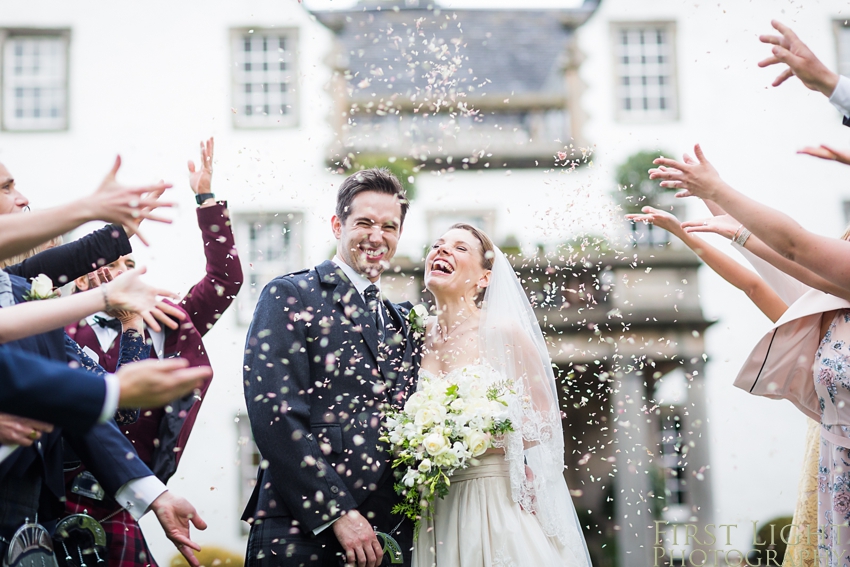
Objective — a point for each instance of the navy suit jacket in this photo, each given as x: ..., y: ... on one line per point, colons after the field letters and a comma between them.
x: 104, y: 449
x: 32, y: 386
x: 315, y: 385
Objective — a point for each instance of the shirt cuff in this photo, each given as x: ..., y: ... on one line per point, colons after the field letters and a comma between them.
x: 840, y: 97
x: 323, y: 527
x: 110, y: 400
x: 6, y: 450
x: 137, y: 495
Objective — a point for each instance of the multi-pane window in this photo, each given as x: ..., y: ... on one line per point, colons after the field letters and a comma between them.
x: 35, y: 81
x: 264, y: 78
x: 645, y: 72
x: 271, y: 245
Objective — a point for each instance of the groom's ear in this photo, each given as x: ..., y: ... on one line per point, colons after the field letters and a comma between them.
x: 336, y: 226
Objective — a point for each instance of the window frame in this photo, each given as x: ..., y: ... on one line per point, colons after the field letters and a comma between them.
x: 246, y: 301
x: 290, y: 120
x: 652, y: 117
x: 62, y: 33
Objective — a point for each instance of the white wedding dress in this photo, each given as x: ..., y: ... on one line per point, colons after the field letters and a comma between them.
x: 514, y: 508
x: 480, y: 525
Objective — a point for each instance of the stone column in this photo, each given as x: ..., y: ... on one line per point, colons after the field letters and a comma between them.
x: 695, y: 436
x: 635, y: 447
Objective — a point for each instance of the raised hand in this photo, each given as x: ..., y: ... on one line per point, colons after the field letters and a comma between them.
x: 801, y: 61
x: 661, y: 219
x: 696, y: 178
x: 200, y: 180
x: 128, y: 293
x: 724, y: 225
x: 153, y: 383
x: 827, y: 152
x: 358, y: 539
x: 174, y: 514
x: 21, y: 431
x: 113, y: 202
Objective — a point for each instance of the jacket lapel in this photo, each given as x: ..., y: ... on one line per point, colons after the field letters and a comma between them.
x: 352, y: 305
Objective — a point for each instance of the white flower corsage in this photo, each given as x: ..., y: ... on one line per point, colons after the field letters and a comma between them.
x: 42, y: 288
x: 418, y: 317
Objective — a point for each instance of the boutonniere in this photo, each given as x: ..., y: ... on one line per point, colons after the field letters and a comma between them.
x: 42, y: 288
x: 417, y: 317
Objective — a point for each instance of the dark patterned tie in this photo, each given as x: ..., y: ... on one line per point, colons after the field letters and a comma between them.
x: 105, y: 323
x: 373, y: 303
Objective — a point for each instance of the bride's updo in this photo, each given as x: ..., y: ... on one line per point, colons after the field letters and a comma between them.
x: 487, y: 246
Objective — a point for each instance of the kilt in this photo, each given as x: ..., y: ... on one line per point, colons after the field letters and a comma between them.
x: 125, y: 543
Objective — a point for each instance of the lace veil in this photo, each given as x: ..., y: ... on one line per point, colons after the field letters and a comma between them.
x: 510, y: 340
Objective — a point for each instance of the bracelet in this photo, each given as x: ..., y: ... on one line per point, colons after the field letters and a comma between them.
x: 737, y: 231
x: 742, y: 238
x: 106, y: 305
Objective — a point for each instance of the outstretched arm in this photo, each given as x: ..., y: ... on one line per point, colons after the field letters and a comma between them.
x: 111, y: 202
x: 210, y: 297
x: 756, y: 289
x: 726, y: 226
x: 826, y: 257
x: 41, y: 316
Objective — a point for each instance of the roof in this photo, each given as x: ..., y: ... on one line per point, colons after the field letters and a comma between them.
x: 412, y: 51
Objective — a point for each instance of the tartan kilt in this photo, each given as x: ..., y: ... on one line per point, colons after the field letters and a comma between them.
x: 125, y: 543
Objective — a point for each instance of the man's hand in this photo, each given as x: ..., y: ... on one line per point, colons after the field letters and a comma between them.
x: 827, y: 152
x: 153, y: 383
x: 200, y: 180
x: 112, y: 202
x: 661, y: 219
x: 358, y: 539
x: 801, y: 62
x: 132, y: 296
x: 174, y: 514
x: 21, y: 431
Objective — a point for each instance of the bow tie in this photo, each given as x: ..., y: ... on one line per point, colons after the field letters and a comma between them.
x: 105, y: 323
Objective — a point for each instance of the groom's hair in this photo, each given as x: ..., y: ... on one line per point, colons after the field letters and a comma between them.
x: 379, y: 180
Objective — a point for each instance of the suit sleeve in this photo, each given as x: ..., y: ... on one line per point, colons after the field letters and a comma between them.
x: 108, y: 455
x: 70, y: 261
x: 211, y: 296
x: 35, y: 387
x: 277, y: 391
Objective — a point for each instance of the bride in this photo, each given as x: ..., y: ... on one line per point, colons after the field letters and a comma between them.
x: 513, y: 508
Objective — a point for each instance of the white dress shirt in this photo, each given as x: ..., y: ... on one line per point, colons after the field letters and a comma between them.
x: 840, y: 97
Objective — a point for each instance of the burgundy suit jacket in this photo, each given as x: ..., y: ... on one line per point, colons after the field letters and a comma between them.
x: 160, y: 435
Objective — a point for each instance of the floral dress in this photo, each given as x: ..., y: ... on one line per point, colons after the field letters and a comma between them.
x: 832, y: 384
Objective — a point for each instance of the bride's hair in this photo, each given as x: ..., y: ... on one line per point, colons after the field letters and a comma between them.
x: 487, y: 247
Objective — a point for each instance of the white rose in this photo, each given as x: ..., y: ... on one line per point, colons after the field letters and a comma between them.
x: 414, y: 402
x: 458, y: 405
x: 42, y: 286
x: 425, y: 465
x: 435, y: 444
x: 477, y: 443
x: 429, y: 415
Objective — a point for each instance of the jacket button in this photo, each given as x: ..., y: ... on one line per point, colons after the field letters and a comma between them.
x: 334, y: 489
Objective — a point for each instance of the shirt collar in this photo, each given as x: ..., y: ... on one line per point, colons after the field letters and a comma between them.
x: 358, y: 280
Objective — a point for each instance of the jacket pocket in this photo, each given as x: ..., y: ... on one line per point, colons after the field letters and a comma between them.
x: 328, y: 435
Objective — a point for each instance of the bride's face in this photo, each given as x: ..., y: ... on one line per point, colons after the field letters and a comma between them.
x: 454, y: 265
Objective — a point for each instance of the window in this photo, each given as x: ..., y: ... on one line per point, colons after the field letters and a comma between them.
x: 264, y: 79
x: 35, y: 81
x: 645, y: 71
x: 272, y: 242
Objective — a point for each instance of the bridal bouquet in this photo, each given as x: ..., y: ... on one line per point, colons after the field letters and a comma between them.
x: 444, y: 425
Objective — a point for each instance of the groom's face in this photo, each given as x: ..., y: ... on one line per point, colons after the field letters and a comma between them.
x: 368, y: 237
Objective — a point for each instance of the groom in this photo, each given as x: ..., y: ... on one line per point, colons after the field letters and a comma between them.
x: 324, y: 354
